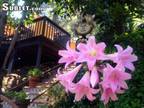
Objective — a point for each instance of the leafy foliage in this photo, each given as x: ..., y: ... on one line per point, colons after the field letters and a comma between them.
x: 35, y: 72
x: 18, y: 96
x: 112, y: 15
x: 134, y: 39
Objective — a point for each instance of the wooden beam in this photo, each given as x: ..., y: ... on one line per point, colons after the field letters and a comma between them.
x: 39, y: 54
x: 10, y: 65
x: 11, y: 62
x: 3, y: 20
x: 43, y: 27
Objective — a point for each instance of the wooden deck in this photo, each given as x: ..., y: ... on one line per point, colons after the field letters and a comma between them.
x: 36, y: 42
x: 41, y: 27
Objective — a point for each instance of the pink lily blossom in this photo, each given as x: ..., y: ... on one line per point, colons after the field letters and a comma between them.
x: 99, y: 74
x: 94, y: 78
x: 115, y: 77
x: 108, y: 94
x: 68, y: 56
x: 91, y: 52
x: 82, y: 88
x: 67, y: 78
x: 124, y: 57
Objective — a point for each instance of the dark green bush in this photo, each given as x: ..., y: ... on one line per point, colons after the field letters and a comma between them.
x: 18, y: 96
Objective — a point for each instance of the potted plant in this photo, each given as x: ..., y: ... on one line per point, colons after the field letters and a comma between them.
x: 19, y: 98
x: 34, y: 76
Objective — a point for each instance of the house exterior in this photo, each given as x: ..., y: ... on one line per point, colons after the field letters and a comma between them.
x: 36, y: 44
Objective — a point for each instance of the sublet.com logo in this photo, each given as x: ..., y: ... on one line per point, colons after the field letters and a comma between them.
x: 6, y: 7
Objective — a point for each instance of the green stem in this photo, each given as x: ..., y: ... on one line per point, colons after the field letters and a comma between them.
x: 106, y: 106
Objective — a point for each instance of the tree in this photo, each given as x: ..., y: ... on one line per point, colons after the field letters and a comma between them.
x: 113, y: 16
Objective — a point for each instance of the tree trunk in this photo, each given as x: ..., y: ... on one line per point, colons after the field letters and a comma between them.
x: 2, y: 22
x: 55, y: 18
x: 11, y: 47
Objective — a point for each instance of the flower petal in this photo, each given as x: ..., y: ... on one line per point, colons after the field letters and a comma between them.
x: 124, y: 85
x: 81, y: 47
x: 91, y: 41
x: 128, y: 50
x: 79, y: 96
x: 119, y: 48
x: 114, y: 97
x: 68, y: 45
x: 134, y: 58
x: 63, y: 53
x: 126, y: 76
x: 130, y: 66
x: 90, y: 96
x: 91, y: 64
x: 94, y: 78
x: 62, y: 60
x: 101, y: 46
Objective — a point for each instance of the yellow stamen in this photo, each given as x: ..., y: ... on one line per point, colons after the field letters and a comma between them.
x: 93, y: 53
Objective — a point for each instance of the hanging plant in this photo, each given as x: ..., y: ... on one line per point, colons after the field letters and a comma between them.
x: 102, y: 73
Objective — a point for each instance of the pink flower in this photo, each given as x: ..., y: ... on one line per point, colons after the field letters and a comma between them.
x: 94, y: 78
x: 67, y: 78
x: 82, y: 88
x: 115, y: 77
x: 98, y: 76
x: 108, y: 94
x: 68, y: 56
x: 124, y: 57
x: 91, y: 52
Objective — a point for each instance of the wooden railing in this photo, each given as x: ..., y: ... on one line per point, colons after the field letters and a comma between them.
x: 9, y: 31
x: 42, y: 26
x: 45, y: 27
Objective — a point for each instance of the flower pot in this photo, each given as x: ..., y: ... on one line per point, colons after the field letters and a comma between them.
x: 33, y: 81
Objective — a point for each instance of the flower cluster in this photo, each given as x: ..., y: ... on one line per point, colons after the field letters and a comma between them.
x: 104, y: 73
